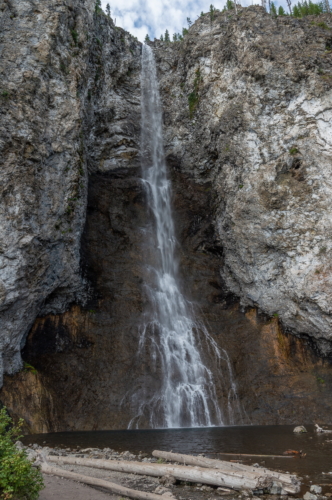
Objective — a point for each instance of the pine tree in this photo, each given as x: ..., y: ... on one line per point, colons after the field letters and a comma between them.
x: 98, y: 6
x: 108, y: 10
x: 281, y: 11
x: 184, y: 31
x: 212, y: 11
x: 273, y: 10
x: 147, y: 39
x: 167, y: 38
x: 161, y: 38
x: 189, y: 22
x: 175, y: 37
x: 202, y: 14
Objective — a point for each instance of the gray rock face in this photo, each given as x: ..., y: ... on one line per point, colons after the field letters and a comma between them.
x: 247, y: 104
x: 247, y: 112
x: 60, y: 68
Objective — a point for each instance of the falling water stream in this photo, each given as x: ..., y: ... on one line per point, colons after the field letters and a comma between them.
x: 171, y: 335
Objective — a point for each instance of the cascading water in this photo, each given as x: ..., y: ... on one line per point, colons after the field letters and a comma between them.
x: 171, y: 336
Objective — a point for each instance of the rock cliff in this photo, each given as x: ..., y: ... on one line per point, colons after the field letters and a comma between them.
x: 247, y: 115
x: 64, y: 79
x: 248, y: 107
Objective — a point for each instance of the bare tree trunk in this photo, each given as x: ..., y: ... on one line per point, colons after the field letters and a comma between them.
x: 115, y: 488
x: 235, y: 479
x: 290, y: 482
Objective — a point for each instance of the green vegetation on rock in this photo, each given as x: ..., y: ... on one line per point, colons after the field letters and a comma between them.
x: 18, y: 479
x: 193, y: 97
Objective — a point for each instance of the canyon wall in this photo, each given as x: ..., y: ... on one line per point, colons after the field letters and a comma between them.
x: 247, y: 120
x: 259, y: 128
x: 64, y: 75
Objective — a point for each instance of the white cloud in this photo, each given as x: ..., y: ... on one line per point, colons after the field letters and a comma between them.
x: 140, y: 17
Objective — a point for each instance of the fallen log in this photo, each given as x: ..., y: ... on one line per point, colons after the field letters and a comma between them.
x: 211, y: 463
x: 249, y: 455
x: 114, y: 488
x: 321, y: 430
x: 230, y: 478
x: 193, y: 474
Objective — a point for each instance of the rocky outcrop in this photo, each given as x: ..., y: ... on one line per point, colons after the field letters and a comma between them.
x: 247, y: 102
x: 66, y: 80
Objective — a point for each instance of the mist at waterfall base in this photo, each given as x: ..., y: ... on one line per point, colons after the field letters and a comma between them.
x: 184, y: 365
x: 265, y: 440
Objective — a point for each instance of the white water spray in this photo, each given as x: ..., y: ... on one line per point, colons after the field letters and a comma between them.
x: 171, y: 337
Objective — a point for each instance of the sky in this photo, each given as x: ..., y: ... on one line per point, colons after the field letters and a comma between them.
x: 140, y: 17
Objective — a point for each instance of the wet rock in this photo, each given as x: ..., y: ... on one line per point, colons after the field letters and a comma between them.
x: 276, y: 488
x: 309, y: 496
x: 19, y: 445
x: 300, y: 429
x: 314, y: 488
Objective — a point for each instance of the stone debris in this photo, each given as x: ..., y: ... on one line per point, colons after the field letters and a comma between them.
x: 314, y: 488
x: 166, y: 485
x: 300, y: 429
x: 309, y: 496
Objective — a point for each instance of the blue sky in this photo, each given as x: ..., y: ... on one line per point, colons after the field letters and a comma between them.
x: 140, y: 17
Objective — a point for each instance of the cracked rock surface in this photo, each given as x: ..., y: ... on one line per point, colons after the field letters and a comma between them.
x: 60, y: 72
x: 259, y: 127
x: 247, y: 126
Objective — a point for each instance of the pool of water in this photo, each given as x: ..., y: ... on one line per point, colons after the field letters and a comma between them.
x: 259, y: 440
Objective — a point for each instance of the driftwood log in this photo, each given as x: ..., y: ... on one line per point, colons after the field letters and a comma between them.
x: 250, y: 455
x: 290, y: 483
x: 321, y: 430
x: 235, y: 479
x: 92, y: 481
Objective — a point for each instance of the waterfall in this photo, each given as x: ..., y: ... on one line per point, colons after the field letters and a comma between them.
x: 171, y: 337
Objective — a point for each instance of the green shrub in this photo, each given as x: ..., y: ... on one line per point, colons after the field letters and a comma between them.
x: 322, y: 25
x: 18, y: 479
x: 193, y: 101
x: 293, y: 151
x: 30, y: 368
x: 74, y: 34
x: 193, y: 97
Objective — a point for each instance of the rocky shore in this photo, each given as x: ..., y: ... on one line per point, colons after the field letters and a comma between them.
x: 164, y: 486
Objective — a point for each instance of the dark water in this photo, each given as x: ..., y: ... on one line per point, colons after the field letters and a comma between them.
x: 266, y: 440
